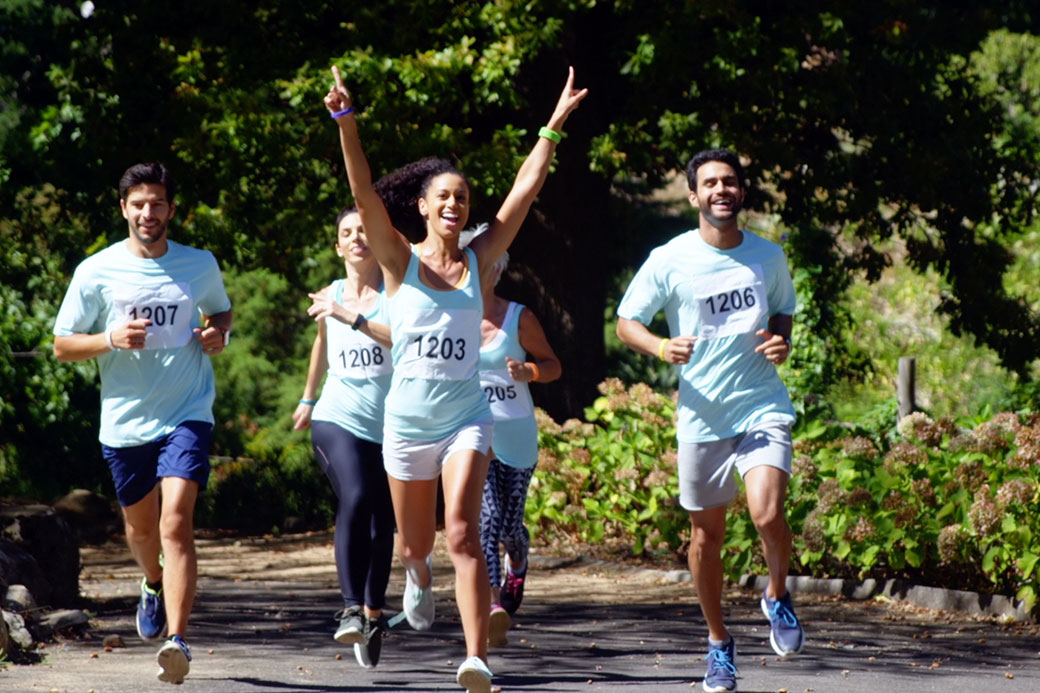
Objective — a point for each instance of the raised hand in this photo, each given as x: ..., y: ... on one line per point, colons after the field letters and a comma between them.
x: 338, y: 98
x: 568, y: 101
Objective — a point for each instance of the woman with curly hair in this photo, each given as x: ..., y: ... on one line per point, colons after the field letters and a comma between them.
x: 437, y: 421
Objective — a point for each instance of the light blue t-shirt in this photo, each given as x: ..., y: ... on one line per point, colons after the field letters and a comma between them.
x: 515, y: 439
x: 436, y: 336
x: 146, y: 393
x: 359, y: 374
x: 722, y: 297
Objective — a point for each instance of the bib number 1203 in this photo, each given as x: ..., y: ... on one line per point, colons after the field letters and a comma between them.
x: 437, y: 348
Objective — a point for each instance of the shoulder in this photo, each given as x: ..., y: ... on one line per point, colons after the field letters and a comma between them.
x: 755, y: 243
x: 179, y: 250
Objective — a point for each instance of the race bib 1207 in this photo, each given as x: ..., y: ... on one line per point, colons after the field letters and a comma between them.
x: 168, y: 306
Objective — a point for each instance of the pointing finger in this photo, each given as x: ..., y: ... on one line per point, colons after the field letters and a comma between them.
x: 336, y: 75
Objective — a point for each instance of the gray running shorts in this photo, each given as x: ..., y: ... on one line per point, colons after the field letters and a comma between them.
x: 706, y: 478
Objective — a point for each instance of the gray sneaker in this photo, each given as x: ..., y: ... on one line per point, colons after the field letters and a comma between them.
x: 418, y: 601
x: 351, y: 627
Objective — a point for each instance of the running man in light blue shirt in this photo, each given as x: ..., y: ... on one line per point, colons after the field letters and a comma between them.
x: 728, y: 299
x: 152, y: 312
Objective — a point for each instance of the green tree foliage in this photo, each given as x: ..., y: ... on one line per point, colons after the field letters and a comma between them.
x: 860, y: 122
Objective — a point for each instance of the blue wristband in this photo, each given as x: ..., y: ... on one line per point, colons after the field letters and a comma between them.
x: 338, y: 114
x: 308, y: 402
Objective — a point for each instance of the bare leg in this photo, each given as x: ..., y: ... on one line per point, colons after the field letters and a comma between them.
x: 415, y: 506
x: 707, y: 533
x: 142, y: 534
x: 766, y: 492
x: 177, y: 529
x: 464, y: 475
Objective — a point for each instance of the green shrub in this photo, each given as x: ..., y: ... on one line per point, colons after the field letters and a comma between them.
x: 939, y: 502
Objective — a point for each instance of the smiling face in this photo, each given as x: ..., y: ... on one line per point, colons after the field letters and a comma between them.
x: 445, y: 204
x: 351, y: 244
x: 148, y: 213
x: 719, y: 194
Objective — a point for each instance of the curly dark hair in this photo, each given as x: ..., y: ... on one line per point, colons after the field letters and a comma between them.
x: 401, y: 189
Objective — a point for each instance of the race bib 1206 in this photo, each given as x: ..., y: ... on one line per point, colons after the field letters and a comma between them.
x: 730, y: 302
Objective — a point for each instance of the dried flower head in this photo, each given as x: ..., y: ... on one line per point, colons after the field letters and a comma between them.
x: 643, y: 395
x: 984, y: 514
x: 546, y: 422
x: 828, y: 495
x: 859, y: 448
x: 950, y: 542
x: 863, y: 530
x: 1027, y: 443
x: 813, y: 533
x: 611, y: 386
x: 803, y: 467
x: 1015, y: 492
x: 906, y: 453
x: 909, y: 424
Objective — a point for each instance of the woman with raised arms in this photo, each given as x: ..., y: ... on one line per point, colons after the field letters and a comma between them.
x: 437, y: 421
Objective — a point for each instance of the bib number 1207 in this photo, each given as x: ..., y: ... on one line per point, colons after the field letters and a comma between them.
x: 159, y: 315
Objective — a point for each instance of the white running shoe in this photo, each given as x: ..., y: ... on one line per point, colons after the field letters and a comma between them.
x: 419, y: 608
x: 474, y: 676
x: 173, y: 658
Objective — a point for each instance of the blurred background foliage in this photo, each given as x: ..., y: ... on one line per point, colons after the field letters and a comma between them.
x: 892, y: 149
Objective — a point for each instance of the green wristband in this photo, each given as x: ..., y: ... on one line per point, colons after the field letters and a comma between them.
x: 550, y: 134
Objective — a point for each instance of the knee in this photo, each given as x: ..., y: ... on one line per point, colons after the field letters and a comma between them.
x: 770, y: 522
x: 462, y: 537
x: 176, y: 527
x: 707, y: 540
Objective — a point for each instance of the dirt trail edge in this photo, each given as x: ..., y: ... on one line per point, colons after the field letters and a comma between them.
x: 263, y: 623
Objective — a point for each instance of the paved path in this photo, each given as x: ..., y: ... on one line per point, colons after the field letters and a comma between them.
x: 583, y: 627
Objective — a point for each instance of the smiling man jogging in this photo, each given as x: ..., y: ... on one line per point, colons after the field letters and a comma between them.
x: 152, y: 312
x: 728, y: 298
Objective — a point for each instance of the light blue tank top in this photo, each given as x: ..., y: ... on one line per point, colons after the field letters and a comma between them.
x: 359, y: 374
x: 436, y: 334
x: 516, y: 433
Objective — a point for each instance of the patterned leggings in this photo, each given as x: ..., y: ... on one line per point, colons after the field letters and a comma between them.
x: 502, y: 516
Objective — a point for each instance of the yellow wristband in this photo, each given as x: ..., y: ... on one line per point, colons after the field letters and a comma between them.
x: 661, y: 346
x: 550, y: 134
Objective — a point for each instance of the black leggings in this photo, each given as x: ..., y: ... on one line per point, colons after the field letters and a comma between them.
x: 364, y: 537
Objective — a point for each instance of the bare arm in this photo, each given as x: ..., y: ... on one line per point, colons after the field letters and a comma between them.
x: 82, y: 347
x: 489, y: 246
x: 389, y: 247
x: 325, y: 307
x: 675, y: 350
x: 534, y: 342
x: 316, y: 369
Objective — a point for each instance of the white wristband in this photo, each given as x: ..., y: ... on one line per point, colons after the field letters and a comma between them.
x: 108, y: 338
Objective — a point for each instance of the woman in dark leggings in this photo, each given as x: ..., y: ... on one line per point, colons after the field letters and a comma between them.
x: 347, y: 430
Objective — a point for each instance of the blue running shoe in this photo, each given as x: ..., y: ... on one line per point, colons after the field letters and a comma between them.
x: 721, y: 675
x: 174, y: 657
x: 785, y: 632
x: 151, y: 612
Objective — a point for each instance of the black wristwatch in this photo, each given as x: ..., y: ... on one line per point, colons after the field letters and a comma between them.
x: 358, y: 321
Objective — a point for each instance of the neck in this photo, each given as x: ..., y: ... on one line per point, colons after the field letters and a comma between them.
x: 724, y: 236
x: 439, y: 247
x: 363, y: 276
x: 150, y: 250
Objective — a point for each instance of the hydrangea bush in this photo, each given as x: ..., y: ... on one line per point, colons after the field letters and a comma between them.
x: 950, y: 503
